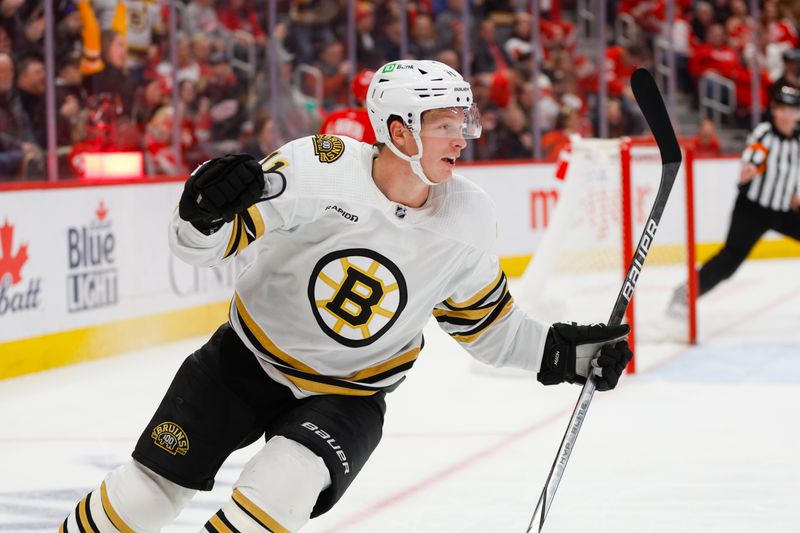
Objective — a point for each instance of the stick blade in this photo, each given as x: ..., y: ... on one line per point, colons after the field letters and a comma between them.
x: 649, y: 99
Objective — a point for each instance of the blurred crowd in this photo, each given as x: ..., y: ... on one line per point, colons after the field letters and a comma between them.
x: 115, y: 74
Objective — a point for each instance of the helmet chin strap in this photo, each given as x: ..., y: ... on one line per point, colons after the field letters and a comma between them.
x: 414, y: 160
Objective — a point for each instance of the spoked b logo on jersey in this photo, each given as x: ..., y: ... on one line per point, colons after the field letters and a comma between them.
x: 356, y: 295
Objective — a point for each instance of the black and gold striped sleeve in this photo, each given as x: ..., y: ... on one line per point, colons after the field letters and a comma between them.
x: 247, y: 227
x: 467, y: 320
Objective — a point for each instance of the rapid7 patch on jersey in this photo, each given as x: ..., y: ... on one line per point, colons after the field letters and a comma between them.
x: 356, y: 295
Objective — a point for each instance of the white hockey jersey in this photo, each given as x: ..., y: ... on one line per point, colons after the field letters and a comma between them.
x: 344, y: 279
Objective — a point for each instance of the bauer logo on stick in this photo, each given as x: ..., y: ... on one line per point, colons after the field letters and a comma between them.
x: 170, y: 437
x: 638, y: 259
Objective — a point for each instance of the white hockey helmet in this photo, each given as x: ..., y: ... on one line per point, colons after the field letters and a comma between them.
x: 406, y: 89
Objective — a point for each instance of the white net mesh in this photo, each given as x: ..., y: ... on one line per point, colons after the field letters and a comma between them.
x: 580, y: 254
x: 577, y: 270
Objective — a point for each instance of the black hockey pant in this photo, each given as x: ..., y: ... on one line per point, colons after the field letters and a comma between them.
x: 749, y: 222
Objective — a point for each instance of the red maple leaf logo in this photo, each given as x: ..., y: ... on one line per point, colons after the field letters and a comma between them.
x: 101, y: 211
x: 10, y: 265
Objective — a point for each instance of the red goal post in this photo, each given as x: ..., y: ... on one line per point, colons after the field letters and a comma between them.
x: 583, y: 257
x: 628, y: 148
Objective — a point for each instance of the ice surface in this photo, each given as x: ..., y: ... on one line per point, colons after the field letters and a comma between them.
x: 702, y: 439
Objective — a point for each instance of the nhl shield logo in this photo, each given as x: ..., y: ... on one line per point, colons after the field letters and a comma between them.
x: 171, y: 438
x: 328, y: 148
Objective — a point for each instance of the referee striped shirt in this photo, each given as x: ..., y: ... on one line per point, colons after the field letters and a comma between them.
x: 777, y: 159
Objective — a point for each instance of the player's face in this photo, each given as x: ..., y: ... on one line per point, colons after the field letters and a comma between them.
x: 442, y: 142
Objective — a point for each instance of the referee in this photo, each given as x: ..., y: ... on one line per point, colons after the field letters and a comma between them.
x: 769, y: 194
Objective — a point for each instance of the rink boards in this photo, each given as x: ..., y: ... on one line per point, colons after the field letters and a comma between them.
x: 86, y: 271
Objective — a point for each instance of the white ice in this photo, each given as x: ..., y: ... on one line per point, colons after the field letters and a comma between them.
x: 701, y: 439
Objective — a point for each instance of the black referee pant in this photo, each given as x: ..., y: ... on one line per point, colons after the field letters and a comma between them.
x: 749, y: 222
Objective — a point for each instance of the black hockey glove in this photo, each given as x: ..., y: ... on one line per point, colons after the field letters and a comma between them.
x: 570, y: 350
x: 219, y: 189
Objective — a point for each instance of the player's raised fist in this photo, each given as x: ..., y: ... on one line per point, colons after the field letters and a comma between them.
x: 572, y: 352
x: 219, y: 189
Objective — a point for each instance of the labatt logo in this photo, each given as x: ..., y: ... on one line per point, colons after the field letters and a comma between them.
x: 14, y: 295
x: 92, y: 278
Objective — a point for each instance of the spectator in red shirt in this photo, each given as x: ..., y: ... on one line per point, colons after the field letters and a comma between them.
x: 353, y: 122
x: 706, y: 142
x: 715, y: 55
x: 644, y: 12
x: 619, y: 64
x: 240, y: 15
x: 740, y: 25
x: 557, y: 35
x: 779, y: 28
x: 568, y: 123
x: 621, y: 61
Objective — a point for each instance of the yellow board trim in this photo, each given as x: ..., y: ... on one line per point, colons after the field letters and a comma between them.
x: 772, y: 249
x: 266, y: 520
x: 118, y: 522
x: 515, y: 266
x: 68, y: 347
x: 25, y: 356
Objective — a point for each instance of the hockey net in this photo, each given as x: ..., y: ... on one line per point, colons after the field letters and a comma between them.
x: 578, y: 267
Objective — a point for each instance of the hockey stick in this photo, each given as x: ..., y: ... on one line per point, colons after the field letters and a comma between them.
x: 652, y: 106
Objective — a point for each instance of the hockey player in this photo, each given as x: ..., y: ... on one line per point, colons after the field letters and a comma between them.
x: 769, y: 195
x: 355, y: 122
x: 357, y: 246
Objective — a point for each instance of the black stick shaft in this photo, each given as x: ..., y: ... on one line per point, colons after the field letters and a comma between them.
x: 652, y: 105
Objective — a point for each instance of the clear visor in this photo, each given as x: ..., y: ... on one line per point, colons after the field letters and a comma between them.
x: 452, y: 122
